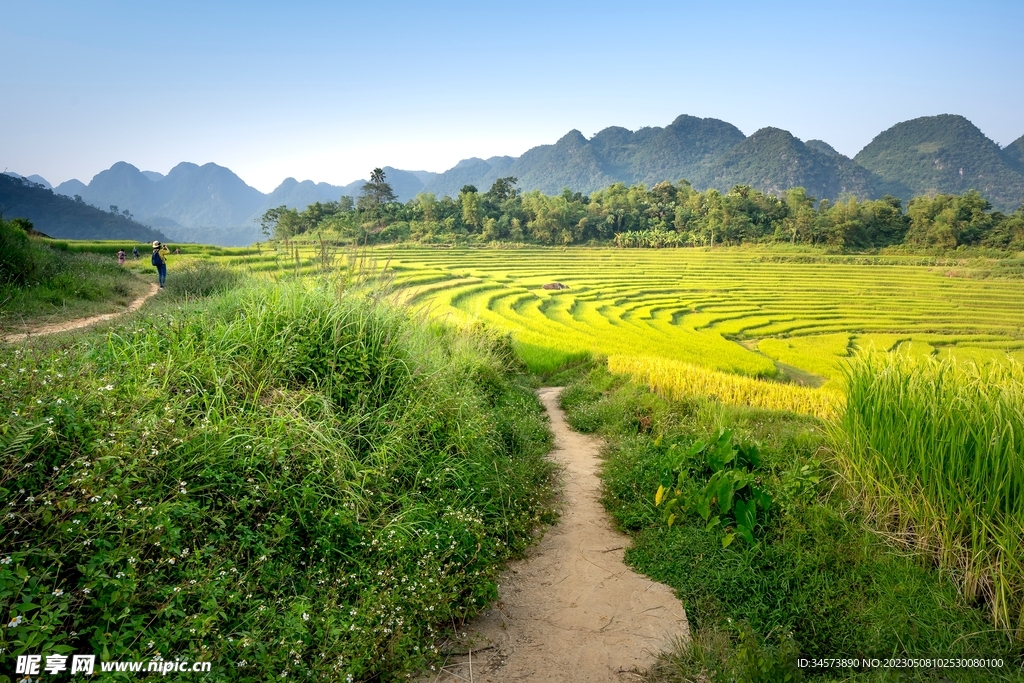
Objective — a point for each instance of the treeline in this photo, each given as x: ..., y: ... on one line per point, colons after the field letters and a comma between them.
x: 666, y: 215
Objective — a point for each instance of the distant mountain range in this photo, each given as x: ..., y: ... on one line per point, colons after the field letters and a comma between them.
x: 944, y: 153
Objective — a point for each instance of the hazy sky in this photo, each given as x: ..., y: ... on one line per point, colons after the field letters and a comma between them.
x: 328, y: 90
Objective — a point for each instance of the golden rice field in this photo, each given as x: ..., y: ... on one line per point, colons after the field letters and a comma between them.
x: 670, y: 315
x: 730, y: 311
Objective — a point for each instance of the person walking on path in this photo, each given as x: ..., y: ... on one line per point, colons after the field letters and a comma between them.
x: 159, y: 260
x: 120, y: 256
x: 135, y: 253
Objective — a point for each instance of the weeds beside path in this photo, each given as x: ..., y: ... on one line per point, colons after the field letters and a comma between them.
x: 572, y: 610
x: 80, y: 322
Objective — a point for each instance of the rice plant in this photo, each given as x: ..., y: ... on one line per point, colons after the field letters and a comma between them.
x: 936, y: 449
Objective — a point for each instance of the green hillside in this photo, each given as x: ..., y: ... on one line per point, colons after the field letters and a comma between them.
x: 772, y: 160
x: 683, y: 149
x: 59, y: 216
x: 1014, y: 153
x: 944, y: 154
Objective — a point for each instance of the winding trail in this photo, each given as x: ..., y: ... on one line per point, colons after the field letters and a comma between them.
x: 80, y: 322
x: 571, y: 610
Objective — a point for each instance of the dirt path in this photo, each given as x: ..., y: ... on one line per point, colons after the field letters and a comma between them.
x: 571, y: 610
x: 81, y: 322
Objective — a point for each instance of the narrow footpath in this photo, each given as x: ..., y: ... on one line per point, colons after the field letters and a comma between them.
x: 571, y: 610
x: 81, y: 322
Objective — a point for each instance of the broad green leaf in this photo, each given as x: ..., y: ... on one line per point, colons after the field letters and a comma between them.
x: 727, y: 540
x: 703, y: 507
x: 659, y: 496
x: 724, y: 491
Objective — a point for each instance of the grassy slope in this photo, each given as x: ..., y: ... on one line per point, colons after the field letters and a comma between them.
x: 277, y: 480
x: 818, y: 584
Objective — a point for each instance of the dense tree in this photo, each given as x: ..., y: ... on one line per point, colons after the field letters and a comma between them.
x: 376, y: 193
x: 665, y: 215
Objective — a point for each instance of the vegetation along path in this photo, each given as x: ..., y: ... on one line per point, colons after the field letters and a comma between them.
x: 572, y: 610
x: 80, y: 322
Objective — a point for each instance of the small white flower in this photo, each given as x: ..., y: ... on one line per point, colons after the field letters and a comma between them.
x: 57, y: 593
x: 87, y: 590
x: 6, y: 560
x: 305, y: 617
x: 15, y: 622
x: 109, y: 387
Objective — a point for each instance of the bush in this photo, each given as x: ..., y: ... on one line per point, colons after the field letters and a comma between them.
x: 17, y: 256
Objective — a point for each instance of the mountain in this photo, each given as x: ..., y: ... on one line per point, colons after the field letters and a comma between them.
x: 58, y: 216
x: 69, y: 188
x: 210, y: 203
x: 772, y: 160
x: 823, y: 147
x: 480, y: 173
x: 1014, y: 154
x: 37, y: 179
x: 945, y: 153
x: 930, y: 154
x: 683, y: 149
x: 207, y: 199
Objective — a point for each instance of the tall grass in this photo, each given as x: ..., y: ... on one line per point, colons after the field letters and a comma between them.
x: 937, y: 449
x: 674, y: 379
x: 281, y: 480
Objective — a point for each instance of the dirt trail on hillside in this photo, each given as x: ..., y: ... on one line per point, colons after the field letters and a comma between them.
x: 80, y: 322
x: 571, y: 610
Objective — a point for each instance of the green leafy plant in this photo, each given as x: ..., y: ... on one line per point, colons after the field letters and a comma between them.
x: 728, y: 499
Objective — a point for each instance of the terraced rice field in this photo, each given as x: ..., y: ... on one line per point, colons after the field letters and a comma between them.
x: 730, y: 311
x: 661, y: 313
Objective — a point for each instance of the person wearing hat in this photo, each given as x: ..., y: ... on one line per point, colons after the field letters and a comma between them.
x: 159, y: 260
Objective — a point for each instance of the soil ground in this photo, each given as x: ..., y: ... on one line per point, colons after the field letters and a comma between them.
x: 80, y: 322
x: 571, y: 610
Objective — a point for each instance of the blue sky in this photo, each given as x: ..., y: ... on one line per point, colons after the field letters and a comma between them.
x: 328, y: 90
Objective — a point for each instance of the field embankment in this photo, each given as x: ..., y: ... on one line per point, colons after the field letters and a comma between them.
x: 282, y: 481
